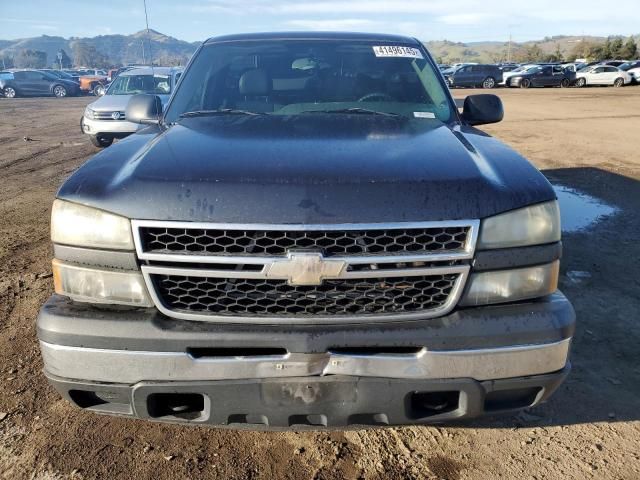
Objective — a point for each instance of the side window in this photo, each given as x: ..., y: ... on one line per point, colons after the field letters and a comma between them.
x: 558, y: 69
x: 598, y: 70
x: 20, y: 76
x: 611, y: 69
x: 546, y: 70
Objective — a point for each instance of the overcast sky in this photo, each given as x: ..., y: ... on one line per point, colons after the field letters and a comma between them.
x: 458, y: 20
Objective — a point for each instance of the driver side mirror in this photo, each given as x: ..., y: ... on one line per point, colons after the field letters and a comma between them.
x: 482, y: 109
x: 144, y: 108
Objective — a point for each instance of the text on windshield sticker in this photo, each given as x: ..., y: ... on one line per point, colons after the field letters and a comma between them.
x: 397, y: 51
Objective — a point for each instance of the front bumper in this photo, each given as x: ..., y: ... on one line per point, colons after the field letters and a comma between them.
x: 118, y: 128
x: 142, y: 364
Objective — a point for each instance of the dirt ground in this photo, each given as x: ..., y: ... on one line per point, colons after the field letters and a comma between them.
x: 586, y: 139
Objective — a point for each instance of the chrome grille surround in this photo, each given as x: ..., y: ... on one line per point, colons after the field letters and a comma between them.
x: 454, y: 264
x: 107, y: 115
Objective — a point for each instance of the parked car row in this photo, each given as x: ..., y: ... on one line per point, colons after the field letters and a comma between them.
x: 59, y: 83
x: 616, y: 73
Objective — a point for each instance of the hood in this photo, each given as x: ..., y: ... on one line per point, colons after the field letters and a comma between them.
x: 107, y: 103
x: 307, y: 169
x: 110, y: 103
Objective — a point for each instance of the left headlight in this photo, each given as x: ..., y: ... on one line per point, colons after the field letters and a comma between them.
x: 486, y: 288
x: 81, y: 226
x: 534, y: 225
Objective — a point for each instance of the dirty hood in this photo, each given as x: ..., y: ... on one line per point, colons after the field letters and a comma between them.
x: 312, y: 168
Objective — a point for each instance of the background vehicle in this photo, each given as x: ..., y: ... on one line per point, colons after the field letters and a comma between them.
x: 104, y: 120
x: 279, y: 201
x: 633, y: 69
x: 36, y: 83
x: 486, y: 76
x: 515, y: 71
x: 542, y: 76
x: 603, y: 75
x: 91, y: 84
x: 61, y: 74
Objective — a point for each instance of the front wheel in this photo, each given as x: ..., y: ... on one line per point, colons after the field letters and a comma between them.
x: 489, y: 82
x: 619, y: 82
x: 525, y: 83
x: 9, y: 92
x: 565, y: 83
x: 101, y: 141
x: 59, y: 91
x: 99, y: 90
x: 582, y: 82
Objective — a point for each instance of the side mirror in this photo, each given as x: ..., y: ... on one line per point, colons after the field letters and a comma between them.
x: 144, y: 108
x: 482, y: 109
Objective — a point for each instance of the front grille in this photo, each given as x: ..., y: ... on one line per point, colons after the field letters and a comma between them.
x: 331, y: 242
x: 107, y: 116
x: 266, y: 297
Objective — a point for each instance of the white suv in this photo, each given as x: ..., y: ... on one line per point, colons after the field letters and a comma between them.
x: 104, y: 120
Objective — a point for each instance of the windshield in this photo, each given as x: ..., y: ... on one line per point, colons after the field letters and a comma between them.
x: 133, y: 84
x: 292, y: 77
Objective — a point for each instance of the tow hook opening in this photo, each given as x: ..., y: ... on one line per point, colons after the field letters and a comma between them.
x: 428, y: 404
x: 185, y: 406
x: 511, y: 399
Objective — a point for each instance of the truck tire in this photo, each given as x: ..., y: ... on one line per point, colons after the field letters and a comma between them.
x: 101, y: 141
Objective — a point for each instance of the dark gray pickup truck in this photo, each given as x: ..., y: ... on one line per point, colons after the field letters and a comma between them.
x: 311, y: 234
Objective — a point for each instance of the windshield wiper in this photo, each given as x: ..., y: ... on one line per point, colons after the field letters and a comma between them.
x: 356, y: 110
x: 222, y: 111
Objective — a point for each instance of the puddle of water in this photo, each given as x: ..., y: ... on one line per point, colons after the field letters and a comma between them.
x: 579, y: 210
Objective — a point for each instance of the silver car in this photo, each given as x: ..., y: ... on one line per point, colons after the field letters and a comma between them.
x: 104, y: 120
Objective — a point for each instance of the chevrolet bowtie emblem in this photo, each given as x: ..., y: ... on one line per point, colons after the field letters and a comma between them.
x: 305, y: 268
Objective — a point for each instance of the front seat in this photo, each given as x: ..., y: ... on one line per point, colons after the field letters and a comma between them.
x: 255, y: 87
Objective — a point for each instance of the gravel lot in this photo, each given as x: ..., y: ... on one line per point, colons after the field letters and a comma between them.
x: 584, y: 139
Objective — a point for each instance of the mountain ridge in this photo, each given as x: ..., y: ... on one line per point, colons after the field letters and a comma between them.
x: 120, y: 49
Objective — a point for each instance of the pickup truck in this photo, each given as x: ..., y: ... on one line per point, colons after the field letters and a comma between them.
x: 310, y: 234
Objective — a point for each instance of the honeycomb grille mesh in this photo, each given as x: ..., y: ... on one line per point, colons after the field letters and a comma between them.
x: 267, y: 297
x: 332, y: 242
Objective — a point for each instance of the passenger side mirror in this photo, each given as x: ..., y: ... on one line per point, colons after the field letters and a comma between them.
x: 144, y: 109
x: 482, y: 109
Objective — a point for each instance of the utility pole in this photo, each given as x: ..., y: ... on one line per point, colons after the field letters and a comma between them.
x: 146, y: 18
x: 509, y: 50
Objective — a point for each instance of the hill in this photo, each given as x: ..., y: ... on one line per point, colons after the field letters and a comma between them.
x: 166, y: 50
x: 114, y: 49
x: 481, y: 52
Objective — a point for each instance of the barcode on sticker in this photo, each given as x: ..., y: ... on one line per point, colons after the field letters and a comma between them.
x: 397, y: 51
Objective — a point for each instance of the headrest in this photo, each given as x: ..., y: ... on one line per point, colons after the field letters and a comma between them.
x: 255, y: 82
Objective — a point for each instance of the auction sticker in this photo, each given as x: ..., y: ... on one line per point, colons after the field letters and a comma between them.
x: 397, y: 51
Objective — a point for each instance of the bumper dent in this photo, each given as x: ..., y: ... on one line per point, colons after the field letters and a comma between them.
x: 122, y: 366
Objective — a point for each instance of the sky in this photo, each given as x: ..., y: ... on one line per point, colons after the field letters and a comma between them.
x: 195, y: 20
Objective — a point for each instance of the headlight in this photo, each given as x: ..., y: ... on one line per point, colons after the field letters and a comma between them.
x: 73, y: 224
x: 535, y: 225
x: 100, y: 286
x: 502, y: 286
x: 89, y: 113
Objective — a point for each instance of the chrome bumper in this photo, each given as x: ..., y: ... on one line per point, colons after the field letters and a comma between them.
x: 129, y: 367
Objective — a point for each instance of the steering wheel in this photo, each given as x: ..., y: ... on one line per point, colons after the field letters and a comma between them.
x: 380, y: 95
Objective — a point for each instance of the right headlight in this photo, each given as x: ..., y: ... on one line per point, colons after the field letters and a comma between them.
x: 80, y: 226
x: 90, y: 114
x: 534, y: 225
